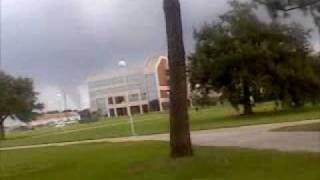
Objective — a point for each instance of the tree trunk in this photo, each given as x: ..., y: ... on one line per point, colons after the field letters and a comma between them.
x: 179, y: 124
x: 247, y: 107
x: 2, y: 131
x: 296, y: 98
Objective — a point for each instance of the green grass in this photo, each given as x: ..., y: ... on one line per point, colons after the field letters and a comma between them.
x: 211, y: 118
x: 149, y: 160
x: 314, y: 127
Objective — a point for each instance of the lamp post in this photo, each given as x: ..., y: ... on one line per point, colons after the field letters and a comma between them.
x: 64, y: 99
x: 123, y: 64
x: 60, y: 104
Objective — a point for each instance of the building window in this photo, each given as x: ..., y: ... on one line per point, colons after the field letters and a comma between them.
x: 112, y: 112
x: 120, y: 99
x: 101, y: 104
x: 133, y: 97
x: 118, y: 80
x: 135, y: 109
x: 122, y: 111
x: 110, y: 100
x: 164, y: 94
x: 143, y: 96
x: 154, y: 105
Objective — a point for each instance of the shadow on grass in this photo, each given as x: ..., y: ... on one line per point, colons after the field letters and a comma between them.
x: 314, y: 127
x: 286, y: 112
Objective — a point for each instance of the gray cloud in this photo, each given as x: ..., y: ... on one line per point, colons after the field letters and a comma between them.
x: 60, y: 43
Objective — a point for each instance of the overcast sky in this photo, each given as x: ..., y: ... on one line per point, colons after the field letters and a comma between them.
x: 59, y: 43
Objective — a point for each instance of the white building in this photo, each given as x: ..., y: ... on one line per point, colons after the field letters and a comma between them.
x: 133, y: 90
x: 11, y: 124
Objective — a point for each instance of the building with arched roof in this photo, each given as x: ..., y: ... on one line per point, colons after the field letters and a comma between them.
x: 131, y: 91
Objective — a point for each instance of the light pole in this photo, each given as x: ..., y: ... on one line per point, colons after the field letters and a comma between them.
x: 60, y: 104
x: 64, y: 98
x: 123, y: 64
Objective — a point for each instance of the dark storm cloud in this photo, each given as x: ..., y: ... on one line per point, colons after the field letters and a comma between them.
x: 60, y: 43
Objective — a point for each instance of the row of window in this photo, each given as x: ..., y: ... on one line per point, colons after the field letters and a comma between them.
x: 138, y: 78
x: 164, y: 94
x: 117, y: 89
x: 101, y: 104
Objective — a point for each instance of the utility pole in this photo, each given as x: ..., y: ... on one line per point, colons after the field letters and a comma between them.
x: 180, y: 141
x: 123, y: 64
x: 65, y: 105
x: 63, y: 96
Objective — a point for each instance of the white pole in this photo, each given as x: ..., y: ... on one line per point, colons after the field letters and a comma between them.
x: 60, y: 97
x: 132, y: 127
x: 133, y: 132
x: 65, y: 105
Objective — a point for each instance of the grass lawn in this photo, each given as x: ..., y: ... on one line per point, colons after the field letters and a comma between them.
x: 314, y: 127
x: 149, y: 160
x: 211, y: 118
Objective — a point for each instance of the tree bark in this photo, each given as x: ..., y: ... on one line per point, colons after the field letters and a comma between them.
x: 2, y: 130
x: 247, y: 107
x: 180, y: 141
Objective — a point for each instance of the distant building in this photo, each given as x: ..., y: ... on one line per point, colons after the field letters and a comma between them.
x: 12, y: 124
x: 55, y: 119
x: 135, y: 91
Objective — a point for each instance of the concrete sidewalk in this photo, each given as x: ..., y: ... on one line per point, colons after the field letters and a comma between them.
x: 257, y: 137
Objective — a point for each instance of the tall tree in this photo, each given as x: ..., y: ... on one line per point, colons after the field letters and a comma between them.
x: 17, y: 99
x: 244, y: 58
x: 283, y: 8
x: 180, y: 141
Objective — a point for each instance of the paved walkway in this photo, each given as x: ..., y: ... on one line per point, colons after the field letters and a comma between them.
x: 257, y: 137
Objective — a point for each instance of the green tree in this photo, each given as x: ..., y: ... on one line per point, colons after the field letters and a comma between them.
x: 180, y: 142
x: 245, y: 58
x: 315, y: 63
x: 17, y: 99
x: 282, y: 8
x: 202, y: 97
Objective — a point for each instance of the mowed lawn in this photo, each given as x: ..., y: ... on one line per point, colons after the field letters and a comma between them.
x: 153, y: 123
x: 149, y: 160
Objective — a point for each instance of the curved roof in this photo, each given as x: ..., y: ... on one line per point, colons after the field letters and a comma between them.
x: 115, y: 73
x: 150, y: 66
x: 152, y: 63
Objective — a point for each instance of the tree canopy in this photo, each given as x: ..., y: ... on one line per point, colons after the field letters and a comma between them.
x: 17, y: 99
x: 282, y: 8
x: 248, y: 59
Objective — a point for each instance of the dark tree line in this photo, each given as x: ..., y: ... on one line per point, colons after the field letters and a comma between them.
x: 283, y: 8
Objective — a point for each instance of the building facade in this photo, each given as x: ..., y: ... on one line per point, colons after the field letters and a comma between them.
x: 131, y: 91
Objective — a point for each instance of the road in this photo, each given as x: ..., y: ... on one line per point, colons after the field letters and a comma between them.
x: 257, y: 137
